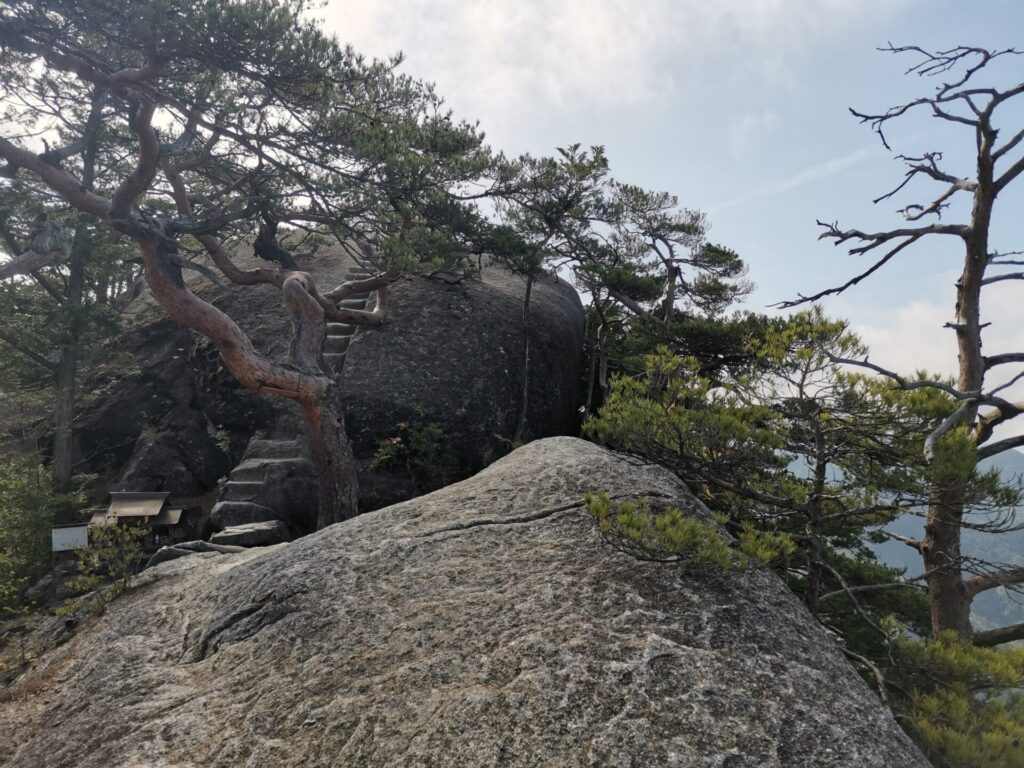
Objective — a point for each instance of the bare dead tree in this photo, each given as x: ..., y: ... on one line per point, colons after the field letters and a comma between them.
x: 958, y: 99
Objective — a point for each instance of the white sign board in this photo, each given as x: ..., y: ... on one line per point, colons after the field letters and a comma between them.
x: 69, y: 537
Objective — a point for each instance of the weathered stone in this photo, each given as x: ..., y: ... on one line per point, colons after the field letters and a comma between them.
x: 277, y: 475
x: 227, y: 514
x: 52, y: 588
x: 253, y: 534
x: 451, y: 355
x: 178, y: 457
x: 186, y: 548
x: 486, y: 624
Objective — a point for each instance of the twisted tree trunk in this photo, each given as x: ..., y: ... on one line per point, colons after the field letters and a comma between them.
x: 304, y: 381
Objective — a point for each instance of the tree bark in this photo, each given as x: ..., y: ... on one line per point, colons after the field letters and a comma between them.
x: 588, y: 406
x: 62, y: 465
x: 669, y: 305
x: 993, y: 637
x: 304, y: 381
x: 948, y: 597
x: 331, y: 452
x: 815, y: 565
x: 602, y: 361
x: 948, y: 601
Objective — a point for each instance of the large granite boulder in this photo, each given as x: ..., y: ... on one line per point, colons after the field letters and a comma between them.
x: 449, y: 357
x: 485, y: 624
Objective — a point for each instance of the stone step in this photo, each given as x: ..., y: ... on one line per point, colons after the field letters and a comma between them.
x: 228, y: 513
x: 241, y: 490
x: 335, y: 361
x: 253, y: 535
x: 287, y: 426
x: 336, y: 345
x: 255, y: 470
x: 340, y: 329
x: 263, y: 448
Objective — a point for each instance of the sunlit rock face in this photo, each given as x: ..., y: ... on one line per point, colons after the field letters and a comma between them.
x: 485, y: 624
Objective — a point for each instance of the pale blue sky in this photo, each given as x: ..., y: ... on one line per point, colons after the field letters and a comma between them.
x: 740, y: 108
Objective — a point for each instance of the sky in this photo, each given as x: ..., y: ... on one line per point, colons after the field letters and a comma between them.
x: 741, y: 109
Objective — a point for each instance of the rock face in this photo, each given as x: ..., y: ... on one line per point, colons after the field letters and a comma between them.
x: 486, y: 624
x: 253, y: 534
x: 449, y: 356
x: 187, y: 549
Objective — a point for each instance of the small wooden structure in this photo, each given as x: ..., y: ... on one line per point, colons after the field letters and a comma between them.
x: 165, y: 524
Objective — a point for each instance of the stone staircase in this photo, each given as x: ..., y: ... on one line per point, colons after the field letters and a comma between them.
x: 339, y: 335
x: 275, y: 479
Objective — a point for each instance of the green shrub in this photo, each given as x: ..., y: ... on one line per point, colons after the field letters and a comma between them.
x: 669, y: 535
x: 963, y: 704
x: 28, y: 508
x: 111, y: 561
x: 421, y: 450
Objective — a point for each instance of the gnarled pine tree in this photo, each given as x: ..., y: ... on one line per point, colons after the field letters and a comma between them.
x: 242, y: 118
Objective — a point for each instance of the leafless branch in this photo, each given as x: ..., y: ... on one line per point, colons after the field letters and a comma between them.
x: 854, y: 601
x: 1003, y: 278
x: 910, y: 542
x: 1002, y: 578
x: 901, y: 381
x: 993, y: 449
x: 872, y: 241
x: 1009, y: 357
x: 873, y: 588
x: 992, y: 637
x: 875, y: 671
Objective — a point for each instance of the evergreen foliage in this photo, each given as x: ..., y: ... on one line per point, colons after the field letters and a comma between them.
x: 28, y: 506
x: 963, y: 704
x: 421, y: 449
x: 248, y: 116
x: 669, y: 535
x: 796, y: 446
x: 107, y: 567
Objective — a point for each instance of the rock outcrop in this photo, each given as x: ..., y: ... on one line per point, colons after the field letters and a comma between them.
x: 486, y: 624
x: 451, y: 355
x: 253, y: 534
x: 448, y: 356
x: 188, y: 549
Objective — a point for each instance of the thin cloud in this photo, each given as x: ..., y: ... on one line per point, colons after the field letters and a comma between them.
x: 750, y: 129
x: 809, y: 175
x: 506, y: 63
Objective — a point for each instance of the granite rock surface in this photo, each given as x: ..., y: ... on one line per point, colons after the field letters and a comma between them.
x: 485, y: 624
